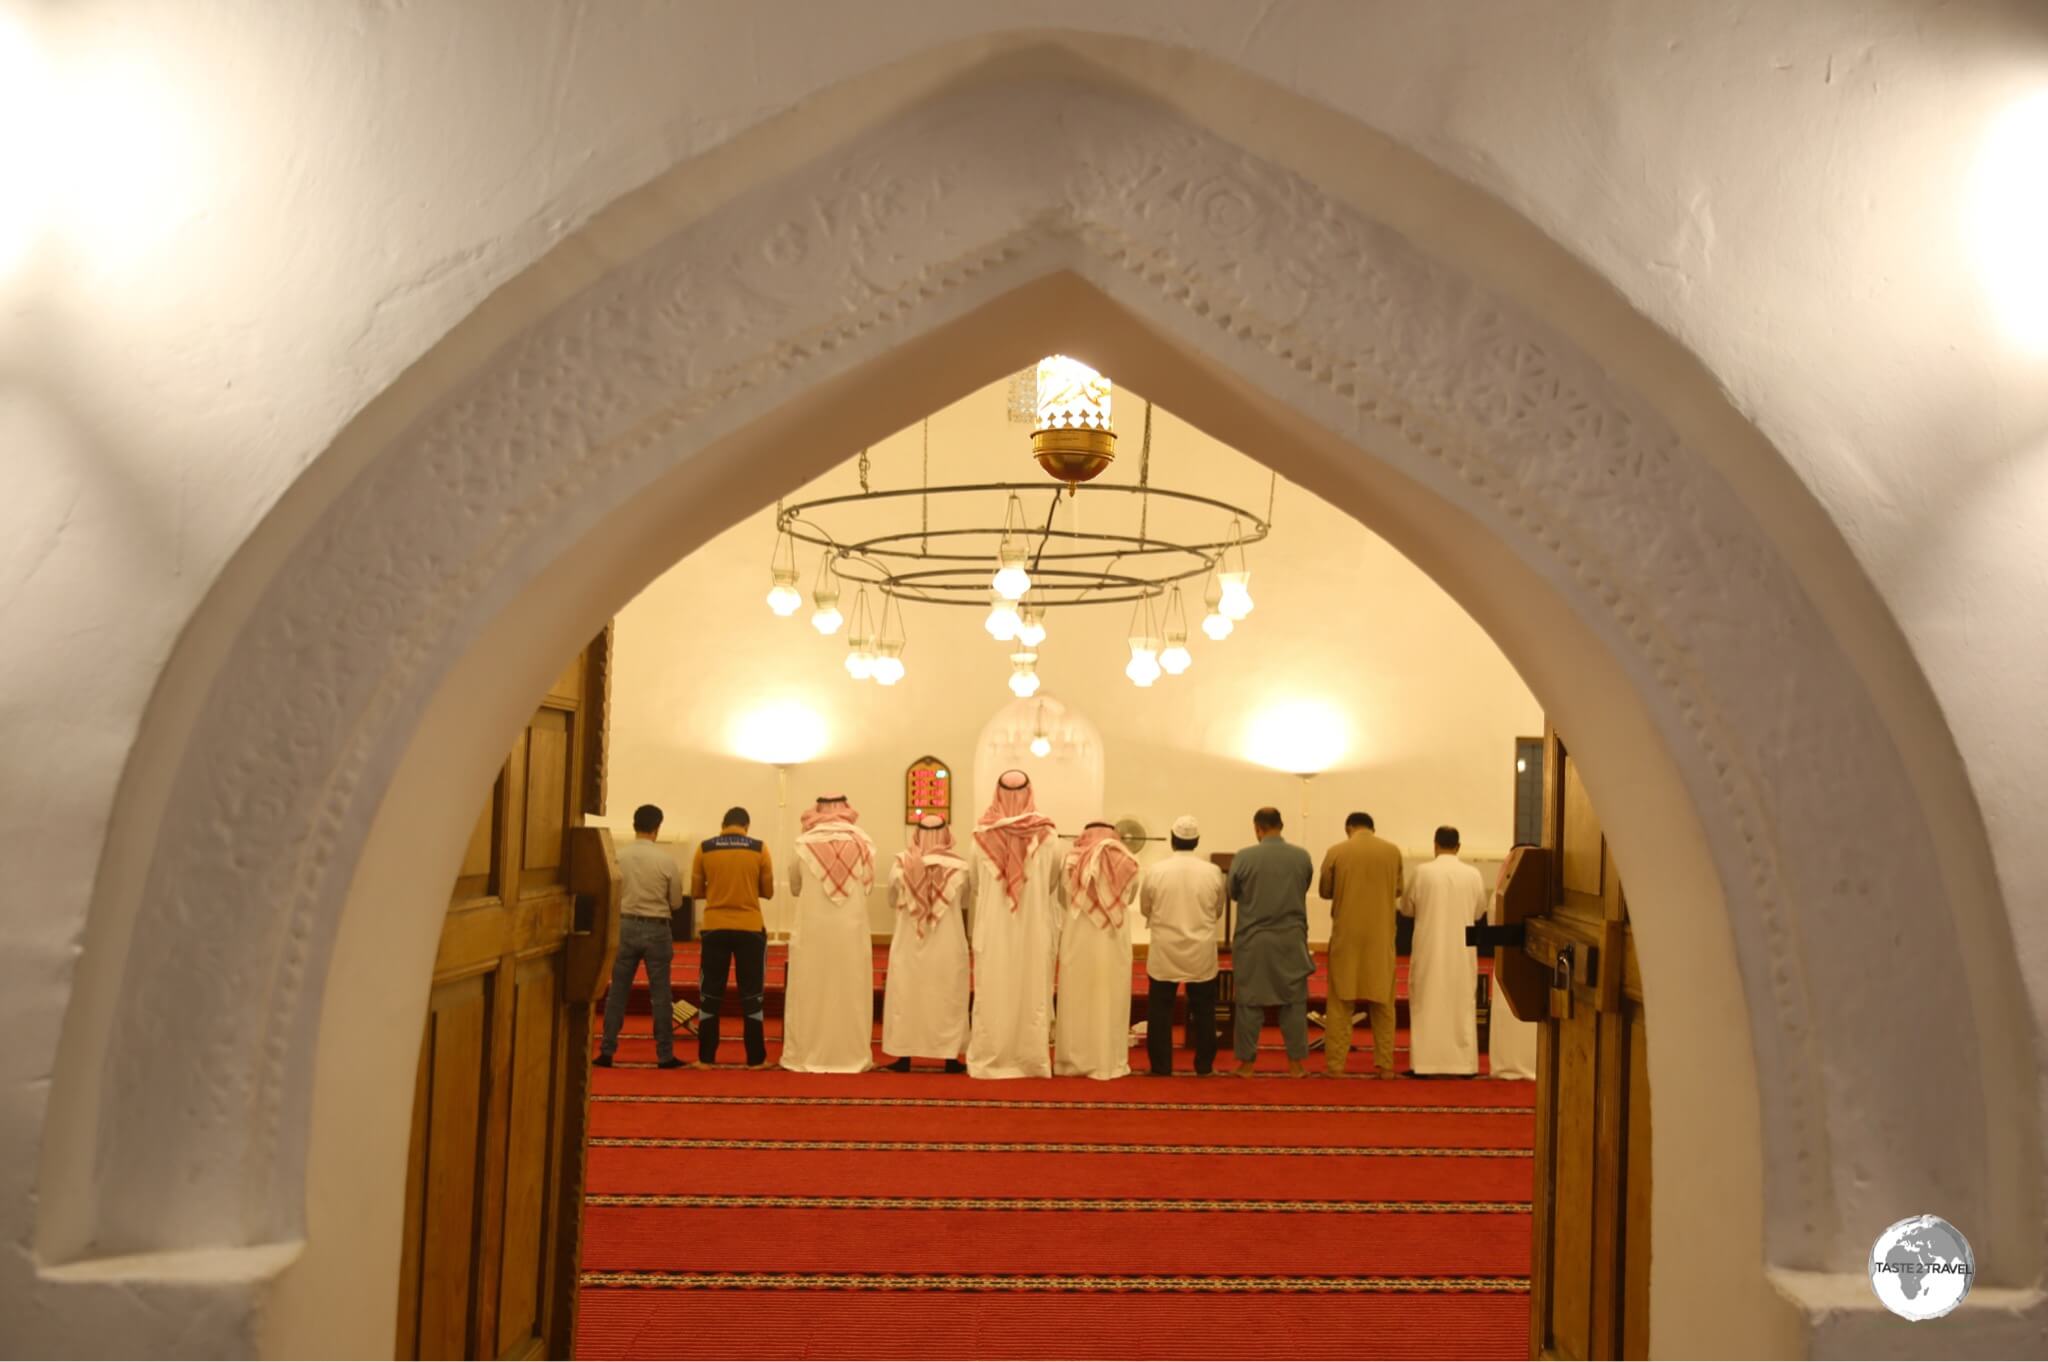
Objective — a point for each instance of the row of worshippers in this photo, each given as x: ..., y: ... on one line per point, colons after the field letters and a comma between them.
x: 1038, y: 914
x: 1363, y: 879
x: 1051, y: 944
x: 1272, y: 962
x: 1050, y: 940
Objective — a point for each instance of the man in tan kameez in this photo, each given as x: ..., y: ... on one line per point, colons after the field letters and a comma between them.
x: 1361, y: 878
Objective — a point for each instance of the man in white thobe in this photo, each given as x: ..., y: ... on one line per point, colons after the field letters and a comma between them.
x: 1182, y: 900
x: 828, y: 1010
x: 1016, y: 930
x: 924, y: 1004
x: 1444, y: 897
x: 1510, y: 1041
x: 1092, y: 1019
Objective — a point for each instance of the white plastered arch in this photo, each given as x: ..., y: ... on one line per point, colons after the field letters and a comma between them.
x: 676, y: 365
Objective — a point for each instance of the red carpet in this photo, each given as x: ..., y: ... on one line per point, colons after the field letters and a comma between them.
x: 751, y: 1214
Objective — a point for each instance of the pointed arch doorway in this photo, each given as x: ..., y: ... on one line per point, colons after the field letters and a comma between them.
x: 635, y: 394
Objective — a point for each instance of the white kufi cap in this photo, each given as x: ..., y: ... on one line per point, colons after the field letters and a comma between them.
x: 1186, y: 828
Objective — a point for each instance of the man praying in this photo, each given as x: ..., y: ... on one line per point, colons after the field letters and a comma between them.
x: 828, y: 1011
x: 1092, y: 1014
x: 1444, y: 897
x: 1361, y: 878
x: 1270, y: 958
x: 731, y: 875
x: 1016, y: 935
x: 1182, y: 900
x: 924, y: 1003
x: 651, y: 888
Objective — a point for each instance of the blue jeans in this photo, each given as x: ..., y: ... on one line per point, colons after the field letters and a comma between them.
x: 649, y: 941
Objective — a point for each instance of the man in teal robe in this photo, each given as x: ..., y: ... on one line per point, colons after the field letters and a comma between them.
x: 1270, y: 959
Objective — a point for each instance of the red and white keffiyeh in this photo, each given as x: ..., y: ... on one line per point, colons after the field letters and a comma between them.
x: 835, y: 849
x: 1011, y: 828
x: 1100, y: 870
x: 929, y: 868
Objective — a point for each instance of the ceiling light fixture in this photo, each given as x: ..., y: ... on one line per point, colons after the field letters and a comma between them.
x: 1175, y: 657
x: 1143, y: 668
x: 1024, y: 674
x: 1216, y: 624
x: 1043, y: 560
x: 888, y: 667
x: 1075, y: 440
x: 826, y: 619
x: 860, y: 644
x: 1235, y: 601
x: 783, y: 597
x: 1031, y: 625
x: 1003, y: 621
x: 1011, y: 580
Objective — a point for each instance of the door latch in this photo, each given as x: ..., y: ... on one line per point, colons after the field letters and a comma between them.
x: 1561, y: 985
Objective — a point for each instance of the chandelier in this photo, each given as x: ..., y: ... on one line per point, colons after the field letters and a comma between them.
x: 1030, y: 562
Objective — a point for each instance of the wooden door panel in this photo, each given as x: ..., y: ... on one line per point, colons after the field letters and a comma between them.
x: 1635, y: 1305
x: 1572, y: 1251
x: 529, y: 1159
x: 541, y: 924
x: 472, y: 938
x: 459, y: 1026
x: 549, y: 813
x: 478, y: 877
x: 415, y: 1203
x: 494, y: 1177
x: 1581, y: 837
x: 1589, y: 1284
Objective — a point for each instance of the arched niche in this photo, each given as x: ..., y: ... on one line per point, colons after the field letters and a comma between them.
x: 1067, y: 780
x: 1407, y: 350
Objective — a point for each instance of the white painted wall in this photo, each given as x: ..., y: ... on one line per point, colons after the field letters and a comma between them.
x: 1421, y: 708
x: 237, y: 224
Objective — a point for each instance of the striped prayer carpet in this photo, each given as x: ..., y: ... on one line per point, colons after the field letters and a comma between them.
x: 760, y: 1214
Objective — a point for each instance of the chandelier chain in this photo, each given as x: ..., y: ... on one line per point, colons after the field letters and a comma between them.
x: 924, y: 501
x: 864, y: 469
x: 1145, y: 477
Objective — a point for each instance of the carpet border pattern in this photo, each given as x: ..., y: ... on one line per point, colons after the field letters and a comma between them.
x: 1047, y: 1282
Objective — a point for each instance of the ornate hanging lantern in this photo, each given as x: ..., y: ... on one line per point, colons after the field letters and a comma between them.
x: 826, y: 619
x: 888, y: 665
x: 1024, y: 674
x: 1143, y: 668
x: 1175, y: 657
x: 860, y: 643
x: 1216, y: 624
x: 783, y: 597
x: 1075, y: 440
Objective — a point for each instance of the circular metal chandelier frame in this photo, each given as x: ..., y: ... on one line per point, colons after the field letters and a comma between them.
x: 1059, y: 576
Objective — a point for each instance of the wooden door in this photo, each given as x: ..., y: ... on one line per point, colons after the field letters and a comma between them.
x: 1576, y: 976
x: 494, y: 1188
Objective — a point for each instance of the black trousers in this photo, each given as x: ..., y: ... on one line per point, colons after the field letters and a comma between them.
x: 1201, y: 1021
x: 746, y: 954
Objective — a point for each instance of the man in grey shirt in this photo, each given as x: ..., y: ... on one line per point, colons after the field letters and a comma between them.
x: 1270, y: 960
x: 651, y: 888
